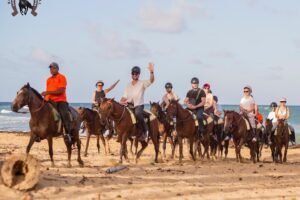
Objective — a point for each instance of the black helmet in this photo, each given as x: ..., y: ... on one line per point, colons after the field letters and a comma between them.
x: 168, y: 85
x: 195, y: 80
x: 215, y: 98
x: 136, y: 70
x: 273, y: 105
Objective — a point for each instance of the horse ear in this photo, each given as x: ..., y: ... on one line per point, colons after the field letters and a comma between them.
x: 28, y: 85
x: 150, y: 102
x: 157, y: 102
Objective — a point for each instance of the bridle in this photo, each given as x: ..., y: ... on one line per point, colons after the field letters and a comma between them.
x: 29, y: 101
x: 110, y: 110
x: 183, y: 120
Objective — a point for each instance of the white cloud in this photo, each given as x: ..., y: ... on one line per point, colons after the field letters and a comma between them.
x: 170, y: 20
x: 43, y: 57
x: 113, y: 46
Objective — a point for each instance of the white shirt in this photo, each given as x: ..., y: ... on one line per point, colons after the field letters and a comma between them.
x: 247, y: 103
x: 272, y: 116
x: 135, y: 93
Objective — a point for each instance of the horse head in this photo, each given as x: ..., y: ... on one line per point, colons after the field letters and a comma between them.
x: 228, y: 121
x: 106, y: 107
x: 22, y: 98
x: 281, y: 126
x: 155, y: 108
x: 172, y: 109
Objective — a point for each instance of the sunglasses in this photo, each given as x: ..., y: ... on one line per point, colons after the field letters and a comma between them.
x: 246, y: 91
x: 99, y: 85
x: 135, y: 74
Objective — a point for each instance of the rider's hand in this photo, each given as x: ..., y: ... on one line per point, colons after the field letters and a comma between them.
x: 151, y: 67
x: 44, y: 93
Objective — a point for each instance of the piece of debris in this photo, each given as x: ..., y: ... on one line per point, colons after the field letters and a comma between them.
x: 20, y: 172
x: 116, y: 169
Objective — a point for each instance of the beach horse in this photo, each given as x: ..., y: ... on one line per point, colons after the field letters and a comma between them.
x: 95, y: 126
x: 281, y: 139
x: 24, y: 5
x: 126, y: 127
x: 43, y: 122
x: 165, y: 128
x: 239, y: 126
x: 269, y: 134
x: 185, y: 127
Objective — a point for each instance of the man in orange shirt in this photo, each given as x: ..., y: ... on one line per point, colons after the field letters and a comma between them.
x: 56, y: 94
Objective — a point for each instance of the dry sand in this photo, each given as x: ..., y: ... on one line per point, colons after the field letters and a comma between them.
x: 167, y: 180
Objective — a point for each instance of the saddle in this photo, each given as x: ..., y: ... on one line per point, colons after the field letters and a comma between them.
x: 148, y: 115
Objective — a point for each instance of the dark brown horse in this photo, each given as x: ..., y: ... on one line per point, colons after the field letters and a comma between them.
x: 185, y: 126
x: 236, y: 124
x: 126, y: 128
x: 269, y: 133
x: 94, y: 125
x: 165, y: 128
x: 42, y: 122
x: 222, y: 145
x: 209, y: 140
x: 281, y: 138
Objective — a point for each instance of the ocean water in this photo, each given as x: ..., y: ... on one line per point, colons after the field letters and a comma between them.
x: 10, y: 121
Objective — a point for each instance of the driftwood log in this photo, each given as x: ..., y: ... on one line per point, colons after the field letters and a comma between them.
x: 20, y: 172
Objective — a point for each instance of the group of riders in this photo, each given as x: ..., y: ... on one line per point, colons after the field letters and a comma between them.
x: 199, y: 100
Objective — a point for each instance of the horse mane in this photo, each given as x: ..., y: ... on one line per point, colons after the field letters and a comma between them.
x: 34, y: 91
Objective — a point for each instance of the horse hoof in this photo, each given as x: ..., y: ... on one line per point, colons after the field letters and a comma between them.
x: 69, y: 165
x: 52, y: 164
x: 85, y: 155
x: 81, y: 163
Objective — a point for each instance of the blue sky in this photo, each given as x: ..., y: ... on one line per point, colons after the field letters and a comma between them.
x: 228, y: 43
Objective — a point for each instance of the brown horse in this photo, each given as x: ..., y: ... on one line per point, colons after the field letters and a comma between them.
x: 281, y: 138
x: 222, y: 145
x: 269, y: 133
x: 236, y: 124
x: 126, y: 128
x: 94, y: 125
x: 165, y: 128
x: 42, y: 122
x: 209, y: 140
x: 185, y: 126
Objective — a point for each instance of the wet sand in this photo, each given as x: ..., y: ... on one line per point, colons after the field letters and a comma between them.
x: 221, y: 179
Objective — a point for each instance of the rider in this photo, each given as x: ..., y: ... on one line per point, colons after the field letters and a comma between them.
x: 195, y: 100
x: 282, y: 112
x: 169, y: 95
x: 101, y: 93
x: 218, y: 111
x: 56, y: 94
x: 134, y: 93
x: 247, y: 107
x: 208, y: 106
x: 273, y: 118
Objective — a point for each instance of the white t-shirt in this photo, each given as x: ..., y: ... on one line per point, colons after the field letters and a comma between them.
x: 169, y: 96
x: 272, y: 116
x: 247, y: 103
x: 135, y: 93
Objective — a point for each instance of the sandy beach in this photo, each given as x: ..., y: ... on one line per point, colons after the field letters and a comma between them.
x: 221, y: 179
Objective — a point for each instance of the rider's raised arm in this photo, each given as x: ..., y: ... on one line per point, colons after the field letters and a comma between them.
x: 151, y: 70
x: 111, y: 87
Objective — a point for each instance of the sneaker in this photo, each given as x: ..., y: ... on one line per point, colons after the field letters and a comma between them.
x: 68, y: 139
x: 226, y: 138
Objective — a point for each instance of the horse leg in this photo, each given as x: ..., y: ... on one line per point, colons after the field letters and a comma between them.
x: 98, y: 144
x: 155, y: 139
x: 103, y: 143
x: 50, y: 146
x: 286, y: 146
x: 79, y: 160
x: 174, y: 148
x: 108, y: 146
x: 164, y: 144
x: 131, y: 145
x: 226, y: 149
x: 171, y: 142
x: 122, y: 148
x: 139, y: 153
x: 192, y: 148
x: 136, y: 145
x: 31, y: 141
x: 69, y: 149
x: 180, y: 149
x: 280, y: 153
x: 87, y: 144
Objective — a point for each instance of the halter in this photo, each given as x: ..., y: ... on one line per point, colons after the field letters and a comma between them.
x: 234, y: 125
x: 183, y: 120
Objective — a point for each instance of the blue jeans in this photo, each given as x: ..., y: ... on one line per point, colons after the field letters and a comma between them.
x: 138, y: 111
x: 199, y: 113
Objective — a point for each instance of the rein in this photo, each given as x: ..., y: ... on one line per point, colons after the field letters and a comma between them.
x: 120, y: 119
x: 29, y: 100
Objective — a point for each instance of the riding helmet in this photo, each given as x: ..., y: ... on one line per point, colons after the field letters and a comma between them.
x: 54, y: 64
x: 168, y: 85
x: 136, y: 70
x: 195, y: 80
x: 273, y: 105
